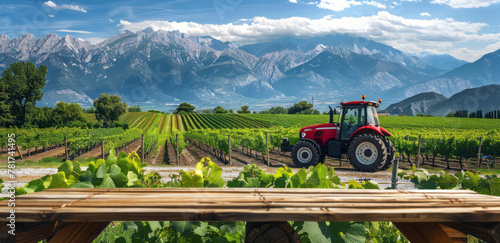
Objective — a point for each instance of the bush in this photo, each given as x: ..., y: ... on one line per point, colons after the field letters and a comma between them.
x: 123, y: 125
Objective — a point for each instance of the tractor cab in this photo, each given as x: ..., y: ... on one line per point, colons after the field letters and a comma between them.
x: 355, y: 115
x: 356, y: 133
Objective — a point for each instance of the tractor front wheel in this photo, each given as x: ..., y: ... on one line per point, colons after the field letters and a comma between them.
x: 367, y: 152
x: 305, y: 154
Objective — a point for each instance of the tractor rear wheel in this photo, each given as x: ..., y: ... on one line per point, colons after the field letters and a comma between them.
x: 390, y: 158
x: 367, y: 152
x: 305, y: 154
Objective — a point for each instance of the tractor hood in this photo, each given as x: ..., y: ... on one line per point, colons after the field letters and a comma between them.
x: 319, y: 126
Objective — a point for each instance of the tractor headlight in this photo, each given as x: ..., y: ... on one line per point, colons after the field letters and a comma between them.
x: 302, y: 135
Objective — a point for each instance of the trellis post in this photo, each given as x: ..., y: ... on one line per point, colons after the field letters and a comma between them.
x: 66, y: 148
x: 267, y: 150
x: 142, y: 148
x: 418, y: 152
x: 479, y: 153
x: 229, y: 147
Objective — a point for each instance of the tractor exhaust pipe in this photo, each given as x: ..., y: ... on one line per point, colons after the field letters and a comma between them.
x: 331, y: 114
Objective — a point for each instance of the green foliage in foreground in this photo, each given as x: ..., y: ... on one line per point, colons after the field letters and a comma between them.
x: 126, y: 170
x: 488, y: 185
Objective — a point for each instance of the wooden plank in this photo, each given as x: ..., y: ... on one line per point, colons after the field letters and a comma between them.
x: 78, y: 214
x: 423, y: 232
x: 246, y: 190
x: 489, y: 232
x: 257, y: 205
x: 78, y: 232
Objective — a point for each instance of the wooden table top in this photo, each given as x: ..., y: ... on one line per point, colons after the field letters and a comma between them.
x: 252, y: 205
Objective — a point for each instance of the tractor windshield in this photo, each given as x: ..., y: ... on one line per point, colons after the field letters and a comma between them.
x: 371, y: 115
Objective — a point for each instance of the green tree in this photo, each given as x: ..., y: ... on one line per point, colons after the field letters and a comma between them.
x: 24, y: 83
x: 310, y: 111
x: 184, y: 108
x: 65, y: 113
x: 42, y: 117
x: 206, y: 111
x: 231, y: 111
x: 244, y: 109
x: 109, y: 108
x: 134, y: 108
x: 299, y: 107
x: 6, y: 118
x: 219, y: 109
x: 278, y: 110
x: 89, y: 110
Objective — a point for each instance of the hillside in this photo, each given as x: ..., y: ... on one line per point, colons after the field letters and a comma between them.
x: 420, y: 103
x: 443, y: 61
x: 484, y: 71
x: 482, y: 98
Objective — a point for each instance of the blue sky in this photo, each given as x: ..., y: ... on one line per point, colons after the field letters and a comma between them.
x: 466, y: 29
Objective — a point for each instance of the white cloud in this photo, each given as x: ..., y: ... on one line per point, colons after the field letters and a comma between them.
x: 376, y: 4
x: 51, y: 4
x: 425, y: 14
x: 293, y: 1
x: 466, y: 3
x: 110, y: 20
x: 409, y: 35
x: 51, y: 16
x: 76, y: 31
x: 472, y: 55
x: 126, y: 23
x: 337, y: 5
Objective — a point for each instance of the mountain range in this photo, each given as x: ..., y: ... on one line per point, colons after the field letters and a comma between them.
x: 162, y: 68
x: 474, y: 99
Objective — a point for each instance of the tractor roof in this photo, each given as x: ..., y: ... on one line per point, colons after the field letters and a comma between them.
x: 360, y: 102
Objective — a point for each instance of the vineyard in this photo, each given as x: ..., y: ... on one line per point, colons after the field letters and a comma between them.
x: 251, y: 140
x: 442, y: 140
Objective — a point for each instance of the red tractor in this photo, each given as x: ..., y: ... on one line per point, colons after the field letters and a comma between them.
x: 357, y: 134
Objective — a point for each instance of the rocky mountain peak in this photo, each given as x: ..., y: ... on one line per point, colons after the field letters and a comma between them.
x: 3, y: 38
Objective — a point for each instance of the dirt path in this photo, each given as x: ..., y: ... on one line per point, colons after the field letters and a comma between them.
x: 247, y: 159
x: 169, y: 127
x: 96, y: 152
x: 187, y: 159
x: 134, y: 146
x: 171, y: 154
x: 24, y: 152
x: 56, y: 153
x: 199, y: 154
x: 160, y: 156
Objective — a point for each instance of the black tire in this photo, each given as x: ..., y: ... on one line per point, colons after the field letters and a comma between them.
x: 322, y: 159
x: 390, y: 158
x: 305, y: 154
x: 271, y: 232
x: 367, y: 152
